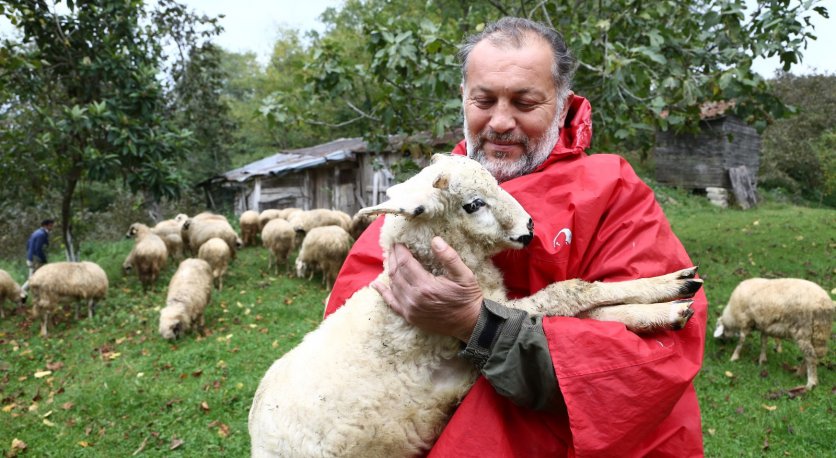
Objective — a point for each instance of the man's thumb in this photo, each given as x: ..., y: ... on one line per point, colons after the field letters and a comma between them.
x: 451, y: 261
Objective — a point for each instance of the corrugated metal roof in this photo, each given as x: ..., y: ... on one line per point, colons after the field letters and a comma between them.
x: 295, y: 160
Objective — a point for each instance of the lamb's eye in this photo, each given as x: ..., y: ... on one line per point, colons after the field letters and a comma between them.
x: 476, y: 204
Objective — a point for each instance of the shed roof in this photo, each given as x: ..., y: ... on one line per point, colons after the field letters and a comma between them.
x: 294, y: 160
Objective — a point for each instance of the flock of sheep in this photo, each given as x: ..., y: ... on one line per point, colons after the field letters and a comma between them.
x: 204, y: 245
x: 298, y: 382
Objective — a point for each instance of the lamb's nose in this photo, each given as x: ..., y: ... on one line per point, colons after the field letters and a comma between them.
x: 530, y: 225
x: 524, y: 239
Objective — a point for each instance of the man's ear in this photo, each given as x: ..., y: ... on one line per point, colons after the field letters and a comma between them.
x: 567, y: 103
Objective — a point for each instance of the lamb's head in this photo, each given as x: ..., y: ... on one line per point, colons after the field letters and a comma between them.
x: 458, y: 200
x: 136, y: 231
x: 173, y: 323
x: 725, y: 325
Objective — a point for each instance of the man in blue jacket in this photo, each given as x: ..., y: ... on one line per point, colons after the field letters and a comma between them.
x: 35, y: 248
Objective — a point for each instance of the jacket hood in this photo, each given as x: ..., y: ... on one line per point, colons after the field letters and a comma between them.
x: 575, y: 135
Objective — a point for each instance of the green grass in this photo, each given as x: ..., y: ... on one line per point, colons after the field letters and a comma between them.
x: 116, y: 388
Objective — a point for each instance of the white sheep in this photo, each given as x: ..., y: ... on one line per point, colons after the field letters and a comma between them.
x: 359, y: 222
x: 250, y: 226
x: 189, y: 292
x: 266, y: 215
x: 59, y: 281
x: 148, y: 256
x: 279, y: 238
x: 205, y: 226
x: 169, y: 231
x: 306, y: 220
x: 366, y: 383
x: 324, y: 248
x: 216, y: 252
x: 9, y: 291
x: 784, y: 308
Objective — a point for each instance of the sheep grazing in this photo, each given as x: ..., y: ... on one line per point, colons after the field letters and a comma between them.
x: 307, y: 220
x: 325, y: 249
x: 248, y: 221
x: 205, y: 226
x: 279, y: 238
x: 9, y: 291
x: 365, y: 382
x: 267, y: 215
x: 784, y: 308
x: 169, y: 231
x: 216, y: 252
x: 189, y: 291
x: 59, y: 281
x: 359, y: 222
x: 148, y: 256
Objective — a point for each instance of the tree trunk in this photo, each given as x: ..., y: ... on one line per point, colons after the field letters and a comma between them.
x: 73, y: 177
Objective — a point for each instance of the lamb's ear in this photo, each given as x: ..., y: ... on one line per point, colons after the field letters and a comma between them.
x: 442, y: 181
x: 718, y: 332
x: 404, y: 207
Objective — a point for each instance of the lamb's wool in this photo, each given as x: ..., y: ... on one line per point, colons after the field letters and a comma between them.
x: 59, y: 281
x: 189, y: 292
x: 216, y: 252
x: 325, y: 249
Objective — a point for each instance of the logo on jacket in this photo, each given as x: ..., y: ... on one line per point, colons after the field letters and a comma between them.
x: 564, y: 237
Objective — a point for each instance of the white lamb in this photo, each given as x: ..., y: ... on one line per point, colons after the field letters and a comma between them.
x: 367, y: 384
x: 59, y: 281
x: 249, y: 224
x: 9, y: 291
x: 279, y: 238
x: 324, y: 249
x: 148, y: 256
x: 216, y: 252
x: 205, y: 226
x: 189, y: 291
x: 785, y: 308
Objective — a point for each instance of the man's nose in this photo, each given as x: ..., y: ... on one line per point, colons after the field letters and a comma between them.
x: 502, y: 118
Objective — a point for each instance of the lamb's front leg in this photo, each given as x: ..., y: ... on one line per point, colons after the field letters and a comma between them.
x: 572, y: 297
x: 641, y: 318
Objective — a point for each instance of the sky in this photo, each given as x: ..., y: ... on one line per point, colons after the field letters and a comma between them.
x: 252, y: 25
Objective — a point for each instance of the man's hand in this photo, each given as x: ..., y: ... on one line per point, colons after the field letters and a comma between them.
x: 447, y: 305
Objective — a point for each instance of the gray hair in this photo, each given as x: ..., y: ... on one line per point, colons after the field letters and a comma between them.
x: 514, y: 31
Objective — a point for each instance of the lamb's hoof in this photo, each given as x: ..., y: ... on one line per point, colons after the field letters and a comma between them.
x: 681, y: 313
x: 690, y: 272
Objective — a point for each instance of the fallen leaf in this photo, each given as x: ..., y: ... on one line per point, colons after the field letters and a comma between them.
x: 54, y: 366
x: 223, y: 430
x: 197, y: 373
x: 712, y: 431
x: 175, y: 442
x: 42, y: 374
x: 67, y: 405
x: 48, y: 423
x: 17, y: 447
x: 740, y: 410
x: 84, y: 444
x: 729, y: 374
x: 275, y: 344
x: 9, y: 407
x: 204, y: 406
x: 769, y: 408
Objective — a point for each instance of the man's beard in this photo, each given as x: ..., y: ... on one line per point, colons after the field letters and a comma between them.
x: 531, y: 158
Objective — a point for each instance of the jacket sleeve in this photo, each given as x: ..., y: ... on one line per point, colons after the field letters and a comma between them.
x: 362, y: 265
x: 641, y: 377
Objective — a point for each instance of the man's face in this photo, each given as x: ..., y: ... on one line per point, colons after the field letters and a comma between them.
x: 510, y: 107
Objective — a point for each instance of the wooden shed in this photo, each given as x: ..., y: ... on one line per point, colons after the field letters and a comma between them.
x: 725, y: 153
x: 341, y: 175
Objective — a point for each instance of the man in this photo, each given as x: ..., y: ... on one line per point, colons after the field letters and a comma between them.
x: 35, y: 249
x: 551, y: 386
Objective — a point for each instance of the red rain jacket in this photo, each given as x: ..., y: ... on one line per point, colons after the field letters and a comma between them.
x: 626, y: 395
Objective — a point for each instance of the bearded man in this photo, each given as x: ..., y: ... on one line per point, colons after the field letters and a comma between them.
x: 550, y: 386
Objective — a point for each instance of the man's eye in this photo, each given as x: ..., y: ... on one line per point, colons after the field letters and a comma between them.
x: 483, y: 103
x: 476, y: 204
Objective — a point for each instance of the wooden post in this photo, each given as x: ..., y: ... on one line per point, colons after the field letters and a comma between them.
x: 744, y: 186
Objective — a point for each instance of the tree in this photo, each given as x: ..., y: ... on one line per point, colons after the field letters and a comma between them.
x: 390, y: 64
x: 82, y: 99
x: 798, y: 151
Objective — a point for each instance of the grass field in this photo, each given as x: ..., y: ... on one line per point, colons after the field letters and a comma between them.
x: 110, y: 386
